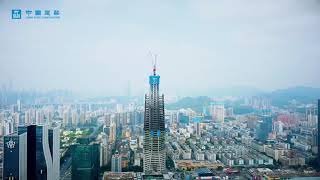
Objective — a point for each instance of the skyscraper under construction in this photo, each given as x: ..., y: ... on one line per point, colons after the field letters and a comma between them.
x: 154, y: 129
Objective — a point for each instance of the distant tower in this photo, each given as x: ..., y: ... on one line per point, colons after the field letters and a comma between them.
x: 129, y: 89
x: 154, y: 128
x: 198, y: 129
x: 19, y: 105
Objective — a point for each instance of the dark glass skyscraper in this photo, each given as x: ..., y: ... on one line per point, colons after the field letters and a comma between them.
x: 42, y: 151
x: 39, y: 160
x: 85, y: 160
x: 154, y: 128
x: 15, y: 156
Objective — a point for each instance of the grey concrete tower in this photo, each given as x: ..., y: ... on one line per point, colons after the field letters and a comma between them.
x: 154, y: 129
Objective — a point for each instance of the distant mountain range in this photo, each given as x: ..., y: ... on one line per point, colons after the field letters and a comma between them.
x: 300, y: 93
x: 235, y: 91
x: 195, y: 103
x: 278, y: 97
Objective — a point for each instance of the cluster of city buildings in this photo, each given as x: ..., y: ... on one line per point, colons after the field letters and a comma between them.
x: 112, y: 140
x: 32, y: 153
x: 267, y: 137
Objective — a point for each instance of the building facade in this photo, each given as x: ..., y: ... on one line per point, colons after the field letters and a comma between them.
x: 41, y: 146
x: 39, y: 161
x: 217, y: 112
x: 54, y: 146
x: 85, y: 160
x: 15, y: 156
x: 116, y: 162
x: 264, y: 128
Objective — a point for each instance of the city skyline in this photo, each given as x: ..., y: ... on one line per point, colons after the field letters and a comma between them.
x: 211, y: 44
x: 80, y: 93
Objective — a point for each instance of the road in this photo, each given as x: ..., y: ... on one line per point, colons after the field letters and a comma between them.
x: 65, y: 168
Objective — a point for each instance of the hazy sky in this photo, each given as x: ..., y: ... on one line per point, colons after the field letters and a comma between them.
x: 99, y: 46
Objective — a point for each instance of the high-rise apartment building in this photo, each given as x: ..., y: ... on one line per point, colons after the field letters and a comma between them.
x: 74, y: 118
x: 217, y: 112
x: 154, y: 128
x: 27, y: 117
x: 105, y: 150
x: 116, y: 162
x: 264, y: 128
x: 278, y: 127
x: 39, y: 117
x: 65, y: 118
x: 198, y: 129
x: 113, y: 132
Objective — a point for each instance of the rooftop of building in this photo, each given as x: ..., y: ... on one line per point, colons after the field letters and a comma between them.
x: 152, y: 177
x: 204, y: 172
x: 118, y: 176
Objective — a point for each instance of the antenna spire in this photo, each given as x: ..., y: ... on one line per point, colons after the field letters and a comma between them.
x: 155, y: 64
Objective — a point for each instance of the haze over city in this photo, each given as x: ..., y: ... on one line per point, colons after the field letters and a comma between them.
x: 101, y: 47
x: 159, y: 90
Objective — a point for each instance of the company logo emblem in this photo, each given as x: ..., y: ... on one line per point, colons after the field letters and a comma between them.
x: 35, y: 14
x: 11, y: 144
x: 16, y: 14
